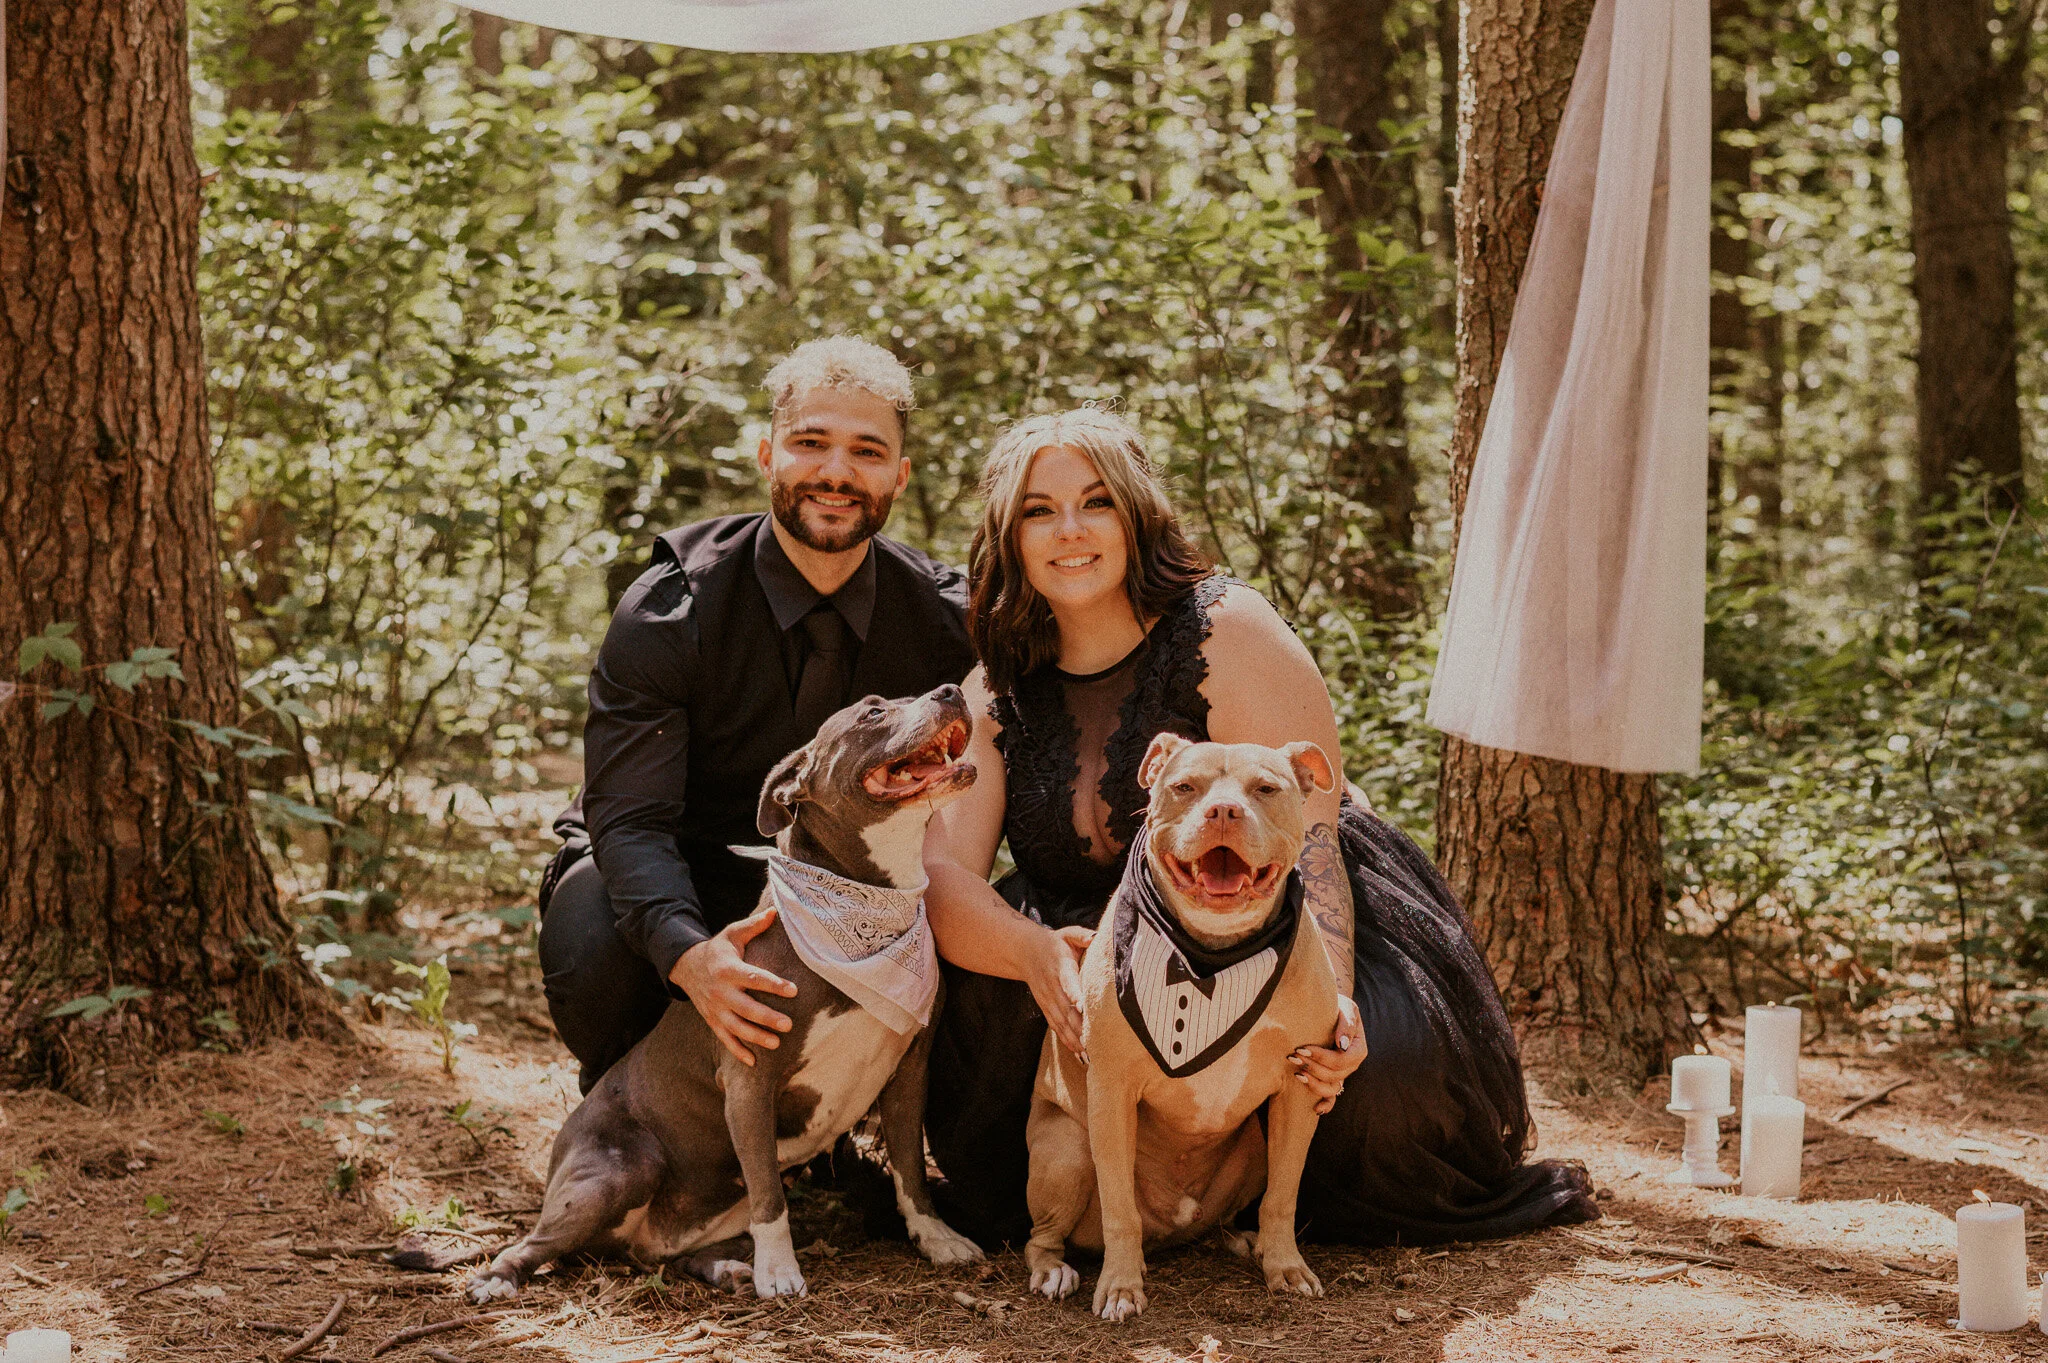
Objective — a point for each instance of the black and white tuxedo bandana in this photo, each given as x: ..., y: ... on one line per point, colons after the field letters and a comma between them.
x: 1187, y: 1003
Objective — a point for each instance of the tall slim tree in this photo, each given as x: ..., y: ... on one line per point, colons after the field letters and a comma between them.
x: 1559, y: 865
x: 1349, y: 61
x: 1957, y: 99
x: 128, y: 856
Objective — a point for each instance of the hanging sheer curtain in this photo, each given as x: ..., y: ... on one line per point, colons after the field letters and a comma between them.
x: 1577, y: 611
x: 774, y: 25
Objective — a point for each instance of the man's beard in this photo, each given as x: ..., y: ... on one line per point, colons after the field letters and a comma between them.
x: 786, y: 500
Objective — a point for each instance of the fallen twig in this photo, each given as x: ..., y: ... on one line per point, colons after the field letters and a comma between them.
x: 1904, y: 1267
x: 38, y: 1279
x: 343, y: 1251
x: 1694, y: 1256
x: 441, y: 1355
x: 204, y: 1254
x: 1887, y: 1091
x: 186, y: 1276
x: 317, y: 1333
x: 411, y: 1333
x: 1658, y: 1275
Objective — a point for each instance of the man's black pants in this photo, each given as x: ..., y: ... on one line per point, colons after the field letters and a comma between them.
x: 602, y: 994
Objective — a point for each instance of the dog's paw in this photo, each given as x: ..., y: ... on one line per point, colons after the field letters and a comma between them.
x: 941, y: 1244
x: 488, y: 1287
x: 729, y: 1275
x: 1241, y: 1243
x: 1117, y: 1299
x: 1283, y: 1275
x: 778, y: 1280
x: 1055, y: 1281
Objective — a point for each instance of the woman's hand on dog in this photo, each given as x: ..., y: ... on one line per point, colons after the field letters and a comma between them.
x: 1054, y: 975
x: 716, y: 976
x: 1325, y: 1068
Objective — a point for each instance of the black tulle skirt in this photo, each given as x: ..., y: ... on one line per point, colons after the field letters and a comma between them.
x: 1426, y: 1143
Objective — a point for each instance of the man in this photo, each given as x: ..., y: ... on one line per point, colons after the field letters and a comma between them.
x: 743, y: 635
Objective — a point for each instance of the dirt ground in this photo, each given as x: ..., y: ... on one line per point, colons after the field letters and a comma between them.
x: 161, y: 1231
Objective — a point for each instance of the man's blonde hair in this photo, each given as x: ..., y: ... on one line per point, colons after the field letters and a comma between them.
x: 845, y: 362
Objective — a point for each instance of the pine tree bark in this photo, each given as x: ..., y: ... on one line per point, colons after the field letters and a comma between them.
x: 120, y: 862
x: 1349, y: 61
x: 1559, y: 865
x: 1956, y: 101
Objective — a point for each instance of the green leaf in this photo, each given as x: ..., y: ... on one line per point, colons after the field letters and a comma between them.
x: 88, y: 1007
x: 53, y: 708
x: 124, y: 675
x: 66, y: 653
x: 121, y: 993
x: 85, y: 702
x: 152, y: 655
x: 156, y: 1204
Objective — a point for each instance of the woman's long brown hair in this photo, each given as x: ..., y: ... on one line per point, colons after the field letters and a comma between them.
x: 1010, y: 623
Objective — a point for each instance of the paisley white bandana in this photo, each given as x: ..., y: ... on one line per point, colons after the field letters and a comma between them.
x: 871, y: 941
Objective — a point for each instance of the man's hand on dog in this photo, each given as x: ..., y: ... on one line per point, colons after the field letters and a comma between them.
x: 716, y: 976
x: 1054, y: 975
x: 1325, y: 1068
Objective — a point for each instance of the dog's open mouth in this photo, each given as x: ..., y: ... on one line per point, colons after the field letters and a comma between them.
x: 921, y: 770
x: 1221, y: 873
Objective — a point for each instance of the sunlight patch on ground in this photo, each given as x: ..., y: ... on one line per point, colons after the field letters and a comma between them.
x: 1700, y: 1315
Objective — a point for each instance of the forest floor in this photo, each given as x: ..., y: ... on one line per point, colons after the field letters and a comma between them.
x: 155, y: 1234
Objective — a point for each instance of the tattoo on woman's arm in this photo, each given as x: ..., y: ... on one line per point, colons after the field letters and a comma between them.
x: 1327, y: 892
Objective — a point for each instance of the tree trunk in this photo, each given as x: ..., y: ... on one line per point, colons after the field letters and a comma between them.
x: 1956, y: 100
x: 1559, y: 865
x: 128, y: 855
x: 1349, y: 63
x: 1729, y: 331
x: 487, y: 42
x: 272, y: 73
x: 1259, y: 80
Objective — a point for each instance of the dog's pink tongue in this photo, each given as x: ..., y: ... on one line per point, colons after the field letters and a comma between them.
x: 1222, y: 872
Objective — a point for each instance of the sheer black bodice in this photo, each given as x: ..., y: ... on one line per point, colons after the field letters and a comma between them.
x: 1071, y: 750
x: 1425, y: 1145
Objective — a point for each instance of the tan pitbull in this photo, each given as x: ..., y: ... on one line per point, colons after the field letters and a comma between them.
x: 1205, y: 973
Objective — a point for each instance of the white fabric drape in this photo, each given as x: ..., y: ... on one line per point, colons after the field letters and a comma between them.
x: 774, y: 25
x: 1577, y: 612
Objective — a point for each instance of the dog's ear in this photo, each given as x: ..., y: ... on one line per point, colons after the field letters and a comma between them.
x: 786, y: 787
x: 1312, y: 770
x: 1157, y: 756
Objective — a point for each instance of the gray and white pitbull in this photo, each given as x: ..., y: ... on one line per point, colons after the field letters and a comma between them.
x: 681, y: 1147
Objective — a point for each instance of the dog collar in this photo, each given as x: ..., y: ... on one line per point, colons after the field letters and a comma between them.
x: 871, y: 941
x: 1187, y: 1003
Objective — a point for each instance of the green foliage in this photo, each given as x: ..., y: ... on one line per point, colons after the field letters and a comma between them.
x: 225, y: 1123
x: 10, y: 1205
x: 430, y: 1004
x: 54, y: 643
x: 448, y: 1214
x: 156, y: 1204
x: 478, y: 1127
x: 91, y: 1007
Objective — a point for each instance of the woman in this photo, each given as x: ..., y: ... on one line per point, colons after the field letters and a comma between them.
x: 1098, y: 627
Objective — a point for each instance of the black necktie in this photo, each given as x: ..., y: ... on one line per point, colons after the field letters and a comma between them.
x: 821, y: 684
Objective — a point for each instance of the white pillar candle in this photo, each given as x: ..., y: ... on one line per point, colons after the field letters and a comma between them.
x: 38, y: 1346
x: 1991, y: 1266
x: 1773, y: 1137
x: 1770, y: 1051
x: 1699, y: 1083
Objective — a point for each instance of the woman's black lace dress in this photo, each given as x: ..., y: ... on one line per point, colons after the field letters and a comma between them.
x: 1426, y: 1143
